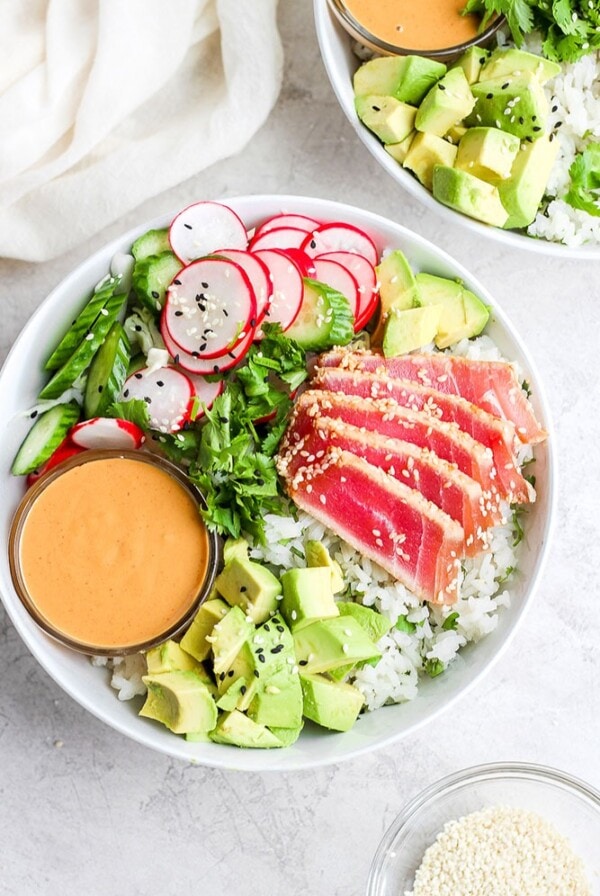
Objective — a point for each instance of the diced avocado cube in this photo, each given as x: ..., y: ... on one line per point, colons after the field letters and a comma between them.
x: 407, y: 78
x: 463, y: 314
x: 398, y: 150
x: 307, y: 596
x: 516, y: 104
x: 472, y: 62
x: 511, y: 61
x: 410, y: 329
x: 388, y: 118
x: 287, y: 736
x: 331, y: 704
x: 235, y: 547
x: 397, y: 289
x: 375, y: 624
x: 279, y: 701
x: 447, y: 103
x: 194, y: 641
x: 181, y: 701
x: 269, y: 650
x: 330, y: 643
x: 318, y: 555
x: 169, y: 657
x: 456, y: 133
x: 487, y: 153
x: 227, y: 638
x: 426, y: 151
x: 229, y: 700
x: 522, y: 192
x: 250, y: 586
x: 468, y: 194
x: 237, y: 729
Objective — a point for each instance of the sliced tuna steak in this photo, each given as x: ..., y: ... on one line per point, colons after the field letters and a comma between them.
x: 389, y: 522
x: 491, y: 385
x: 495, y: 434
x: 390, y: 419
x: 440, y: 482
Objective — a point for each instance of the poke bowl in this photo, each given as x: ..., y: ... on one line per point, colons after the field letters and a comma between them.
x: 462, y: 657
x: 556, y: 224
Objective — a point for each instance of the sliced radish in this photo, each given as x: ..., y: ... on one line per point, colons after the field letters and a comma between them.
x: 366, y: 277
x: 203, y: 227
x: 340, y: 237
x: 210, y: 307
x: 258, y: 274
x: 288, y: 288
x: 194, y: 364
x: 65, y: 450
x: 278, y: 238
x: 300, y: 222
x: 107, y: 432
x: 340, y: 278
x: 304, y: 261
x: 205, y: 391
x: 167, y: 392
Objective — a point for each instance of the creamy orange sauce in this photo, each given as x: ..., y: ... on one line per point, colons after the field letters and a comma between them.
x: 113, y: 552
x: 415, y: 24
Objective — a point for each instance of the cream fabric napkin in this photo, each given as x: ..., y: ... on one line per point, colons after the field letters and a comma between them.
x: 105, y: 103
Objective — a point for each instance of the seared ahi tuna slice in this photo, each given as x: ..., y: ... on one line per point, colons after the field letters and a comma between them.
x: 491, y: 385
x: 440, y: 482
x: 384, y: 519
x: 390, y: 419
x: 493, y: 433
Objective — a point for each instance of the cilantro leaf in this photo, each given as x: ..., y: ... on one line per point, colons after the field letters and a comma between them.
x: 135, y: 410
x: 584, y: 192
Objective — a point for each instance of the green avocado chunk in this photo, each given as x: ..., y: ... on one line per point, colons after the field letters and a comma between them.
x: 239, y: 730
x: 522, y: 192
x: 251, y: 586
x: 471, y: 62
x: 180, y: 700
x: 375, y: 624
x: 266, y: 653
x: 318, y: 555
x: 512, y: 103
x: 330, y: 643
x: 331, y: 704
x: 447, y: 103
x: 279, y: 702
x: 463, y: 314
x: 388, y: 118
x: 410, y: 329
x: 227, y: 638
x: 487, y: 153
x: 510, y: 61
x: 468, y: 194
x: 398, y: 151
x: 307, y: 596
x: 169, y: 657
x: 407, y: 78
x: 194, y: 640
x: 426, y: 151
x: 397, y: 289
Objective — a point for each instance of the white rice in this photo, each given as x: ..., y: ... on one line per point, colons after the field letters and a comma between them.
x: 574, y: 95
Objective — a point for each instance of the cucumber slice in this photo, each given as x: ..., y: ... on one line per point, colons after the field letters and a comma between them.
x: 151, y: 277
x: 151, y: 243
x: 325, y: 318
x: 81, y: 358
x: 44, y: 437
x: 108, y: 372
x: 81, y: 325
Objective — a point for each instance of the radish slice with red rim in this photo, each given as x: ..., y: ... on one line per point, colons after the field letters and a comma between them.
x: 205, y: 391
x: 107, y: 432
x: 258, y: 274
x: 278, y: 238
x: 366, y: 277
x: 194, y: 364
x: 167, y: 392
x: 338, y: 277
x: 203, y: 227
x: 65, y: 450
x: 340, y: 237
x: 300, y: 222
x: 210, y: 307
x: 304, y: 261
x: 288, y: 288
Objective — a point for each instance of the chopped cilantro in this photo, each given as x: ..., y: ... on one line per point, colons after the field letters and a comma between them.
x: 450, y: 622
x: 135, y: 410
x: 584, y: 192
x: 517, y: 512
x: 403, y: 624
x: 433, y: 667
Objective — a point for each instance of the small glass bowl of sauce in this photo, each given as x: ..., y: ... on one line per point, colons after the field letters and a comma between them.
x: 432, y: 28
x: 109, y: 552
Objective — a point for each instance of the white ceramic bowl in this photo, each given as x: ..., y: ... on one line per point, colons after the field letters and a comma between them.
x: 20, y: 381
x: 571, y: 806
x: 341, y: 63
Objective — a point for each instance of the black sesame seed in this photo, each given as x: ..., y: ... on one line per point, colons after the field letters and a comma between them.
x: 558, y: 124
x: 177, y: 282
x: 507, y: 84
x: 256, y: 675
x: 262, y: 658
x: 160, y: 383
x: 231, y: 673
x: 313, y: 245
x: 551, y: 137
x: 225, y: 312
x: 442, y: 86
x: 277, y: 649
x: 147, y: 400
x: 243, y: 589
x: 204, y: 285
x: 536, y: 128
x: 481, y: 60
x: 179, y: 314
x: 303, y: 663
x: 243, y: 689
x: 188, y: 226
x: 266, y: 627
x: 534, y: 117
x: 375, y: 108
x: 126, y: 393
x: 222, y: 676
x: 216, y: 368
x: 155, y: 294
x: 33, y: 415
x: 100, y: 388
x: 252, y: 321
x: 231, y: 355
x: 202, y: 348
x: 138, y: 376
x: 260, y: 650
x: 554, y: 109
x: 224, y: 419
x: 195, y: 354
x: 176, y: 359
x: 280, y: 628
x: 521, y: 119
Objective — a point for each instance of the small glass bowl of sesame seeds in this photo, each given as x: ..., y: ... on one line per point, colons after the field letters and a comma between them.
x: 500, y: 829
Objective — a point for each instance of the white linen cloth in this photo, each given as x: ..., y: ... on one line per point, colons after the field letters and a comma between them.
x: 105, y: 103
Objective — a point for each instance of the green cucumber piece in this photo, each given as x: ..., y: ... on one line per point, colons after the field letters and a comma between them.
x: 151, y: 278
x: 81, y: 358
x: 325, y: 318
x: 44, y: 437
x: 150, y: 243
x: 81, y: 325
x: 108, y: 371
